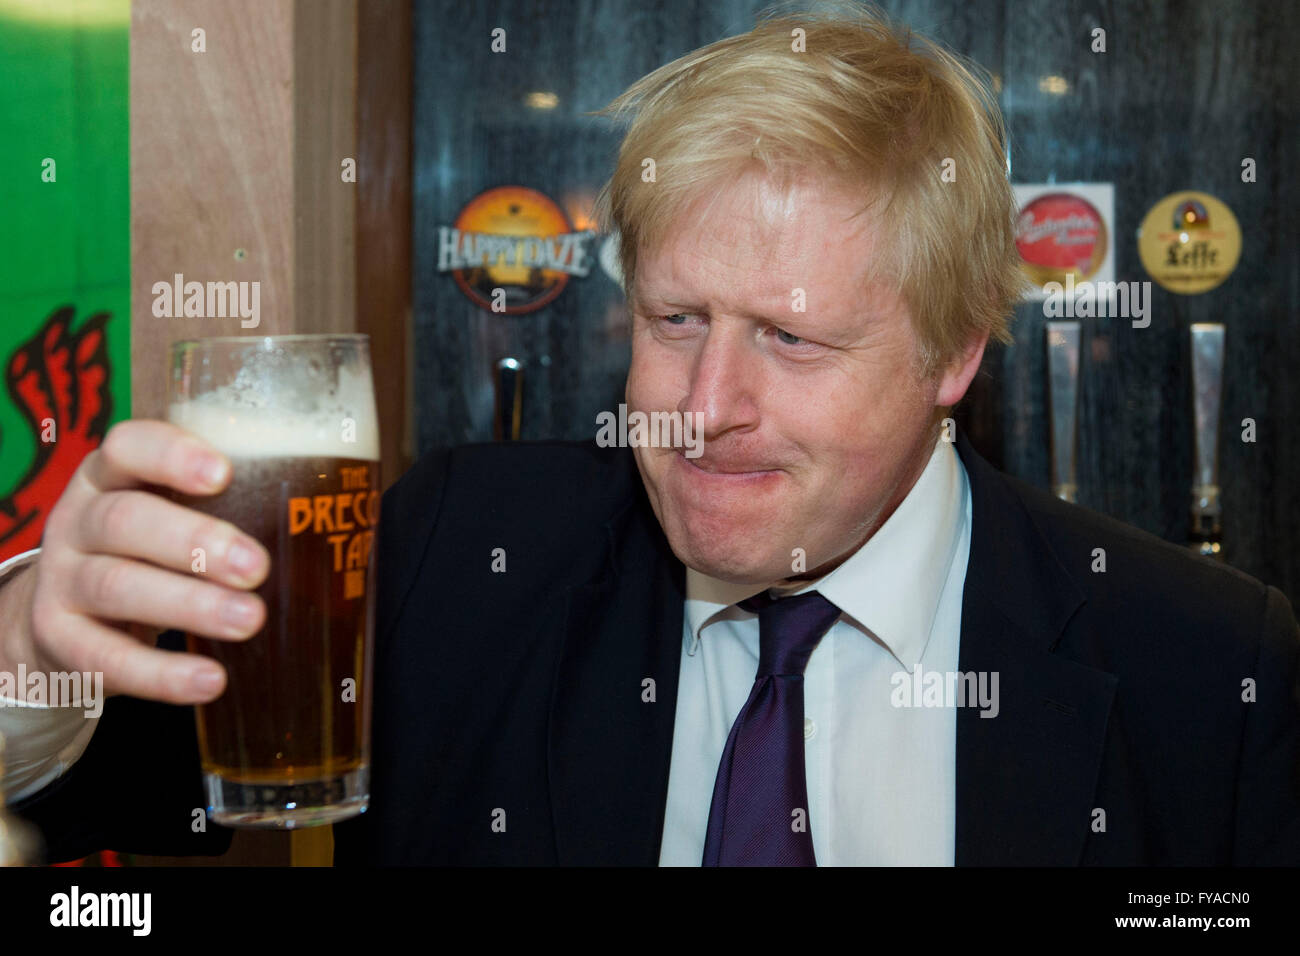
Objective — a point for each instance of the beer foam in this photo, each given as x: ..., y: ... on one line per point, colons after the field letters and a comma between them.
x: 244, y: 424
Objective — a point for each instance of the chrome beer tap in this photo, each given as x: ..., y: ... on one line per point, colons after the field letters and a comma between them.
x: 1063, y: 405
x: 1207, y: 389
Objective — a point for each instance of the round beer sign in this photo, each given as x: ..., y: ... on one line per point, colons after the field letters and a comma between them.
x: 512, y: 250
x: 1059, y: 235
x: 1189, y: 242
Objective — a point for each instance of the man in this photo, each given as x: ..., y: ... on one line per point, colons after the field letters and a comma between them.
x: 724, y: 659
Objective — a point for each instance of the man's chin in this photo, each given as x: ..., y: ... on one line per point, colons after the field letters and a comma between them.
x: 735, y: 564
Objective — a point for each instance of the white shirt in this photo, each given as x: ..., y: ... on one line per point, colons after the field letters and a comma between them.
x: 881, y: 779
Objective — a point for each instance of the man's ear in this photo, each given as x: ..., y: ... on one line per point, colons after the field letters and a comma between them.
x: 957, y: 376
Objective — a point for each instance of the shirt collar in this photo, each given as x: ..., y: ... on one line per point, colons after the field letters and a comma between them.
x: 890, y: 587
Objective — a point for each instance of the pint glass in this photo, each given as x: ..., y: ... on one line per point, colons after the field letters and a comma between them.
x: 287, y: 744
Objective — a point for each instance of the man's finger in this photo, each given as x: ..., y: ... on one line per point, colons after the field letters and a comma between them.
x: 131, y: 668
x: 118, y: 589
x: 138, y: 524
x: 159, y: 453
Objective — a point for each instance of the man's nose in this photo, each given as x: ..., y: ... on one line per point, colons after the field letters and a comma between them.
x: 724, y: 379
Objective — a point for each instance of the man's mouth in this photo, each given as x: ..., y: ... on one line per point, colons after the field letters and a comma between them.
x: 713, y: 466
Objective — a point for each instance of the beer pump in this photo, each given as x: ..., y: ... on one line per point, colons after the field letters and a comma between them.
x: 1207, y: 389
x: 508, y: 382
x: 1063, y: 402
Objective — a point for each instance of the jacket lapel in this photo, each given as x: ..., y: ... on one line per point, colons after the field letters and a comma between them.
x: 609, y: 744
x: 1026, y: 779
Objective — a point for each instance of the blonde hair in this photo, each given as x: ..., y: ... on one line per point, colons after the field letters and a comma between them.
x: 872, y: 107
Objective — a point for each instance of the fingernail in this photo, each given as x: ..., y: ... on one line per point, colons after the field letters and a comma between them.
x: 213, y: 471
x: 205, y: 680
x: 238, y: 613
x: 244, y: 559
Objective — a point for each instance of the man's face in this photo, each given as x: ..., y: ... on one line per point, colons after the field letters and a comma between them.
x: 815, y: 425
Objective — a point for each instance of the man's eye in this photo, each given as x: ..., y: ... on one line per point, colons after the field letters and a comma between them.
x: 787, y: 338
x: 678, y: 320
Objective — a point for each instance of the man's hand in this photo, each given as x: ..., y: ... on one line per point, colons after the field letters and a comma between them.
x: 115, y: 555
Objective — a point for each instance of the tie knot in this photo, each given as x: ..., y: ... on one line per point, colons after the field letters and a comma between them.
x: 789, y: 629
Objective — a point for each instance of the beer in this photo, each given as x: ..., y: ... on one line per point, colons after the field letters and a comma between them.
x: 287, y: 742
x: 316, y: 517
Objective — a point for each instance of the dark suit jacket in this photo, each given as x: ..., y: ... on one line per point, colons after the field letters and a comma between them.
x: 515, y: 698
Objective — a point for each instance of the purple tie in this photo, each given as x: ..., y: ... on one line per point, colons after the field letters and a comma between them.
x: 759, y: 815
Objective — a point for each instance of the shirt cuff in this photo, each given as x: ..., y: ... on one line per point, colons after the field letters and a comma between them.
x: 40, y: 743
x: 17, y: 561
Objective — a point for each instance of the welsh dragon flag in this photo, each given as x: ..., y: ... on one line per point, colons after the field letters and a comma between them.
x: 65, y: 267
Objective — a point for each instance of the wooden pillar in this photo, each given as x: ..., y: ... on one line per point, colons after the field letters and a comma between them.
x: 383, y: 219
x: 243, y: 113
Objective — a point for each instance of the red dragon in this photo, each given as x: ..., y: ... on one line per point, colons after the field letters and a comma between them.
x: 59, y: 381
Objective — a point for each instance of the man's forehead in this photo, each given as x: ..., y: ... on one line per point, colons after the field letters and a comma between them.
x: 775, y: 271
x: 658, y: 289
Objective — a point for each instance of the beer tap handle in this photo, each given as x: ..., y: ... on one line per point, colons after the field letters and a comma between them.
x: 1207, y: 389
x: 1063, y: 399
x: 508, y: 382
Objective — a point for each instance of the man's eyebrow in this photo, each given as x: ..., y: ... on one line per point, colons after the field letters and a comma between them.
x: 780, y: 316
x: 658, y: 298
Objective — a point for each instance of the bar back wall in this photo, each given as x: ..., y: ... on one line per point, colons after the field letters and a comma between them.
x: 1175, y: 98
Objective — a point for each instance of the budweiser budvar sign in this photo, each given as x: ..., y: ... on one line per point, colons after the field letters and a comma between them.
x: 1063, y: 233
